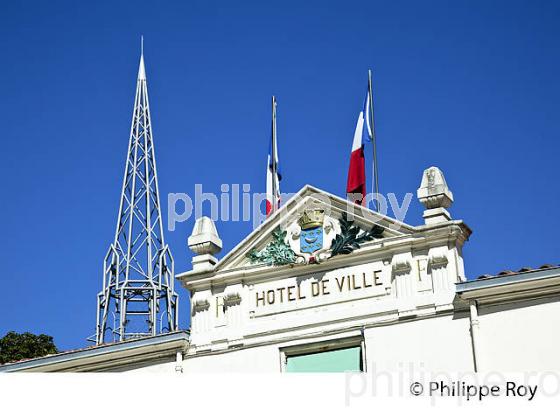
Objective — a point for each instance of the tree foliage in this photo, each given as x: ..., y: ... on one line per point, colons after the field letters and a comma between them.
x: 18, y: 346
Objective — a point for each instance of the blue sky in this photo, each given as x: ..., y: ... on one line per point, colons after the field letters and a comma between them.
x: 471, y: 87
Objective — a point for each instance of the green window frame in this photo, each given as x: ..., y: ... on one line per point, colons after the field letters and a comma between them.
x: 330, y: 359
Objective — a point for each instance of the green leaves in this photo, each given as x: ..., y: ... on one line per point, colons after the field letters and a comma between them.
x: 15, y: 346
x: 277, y: 252
x: 350, y: 237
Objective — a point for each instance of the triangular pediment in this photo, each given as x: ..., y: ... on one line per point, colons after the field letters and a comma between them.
x: 288, y: 219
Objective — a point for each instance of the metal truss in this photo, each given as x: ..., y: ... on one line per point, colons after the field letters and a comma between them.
x: 138, y: 270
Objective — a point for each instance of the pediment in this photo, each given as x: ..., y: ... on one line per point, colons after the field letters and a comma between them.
x: 310, y: 227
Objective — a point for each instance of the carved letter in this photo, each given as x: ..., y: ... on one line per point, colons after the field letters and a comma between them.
x: 299, y: 295
x: 261, y: 299
x: 340, y: 282
x: 270, y: 297
x: 366, y: 285
x: 376, y: 280
x: 354, y: 287
x: 291, y: 296
x: 281, y: 293
x: 324, y: 287
x: 315, y: 289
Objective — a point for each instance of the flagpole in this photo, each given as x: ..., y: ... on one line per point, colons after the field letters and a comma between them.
x: 274, y: 204
x: 375, y: 179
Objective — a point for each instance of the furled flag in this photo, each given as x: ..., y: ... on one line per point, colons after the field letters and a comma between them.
x: 273, y: 176
x: 356, y: 185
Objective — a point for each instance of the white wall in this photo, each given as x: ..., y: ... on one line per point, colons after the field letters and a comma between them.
x: 165, y: 367
x: 253, y: 360
x: 433, y: 344
x: 522, y: 336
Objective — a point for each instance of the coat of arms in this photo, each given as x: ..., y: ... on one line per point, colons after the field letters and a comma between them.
x: 311, y: 236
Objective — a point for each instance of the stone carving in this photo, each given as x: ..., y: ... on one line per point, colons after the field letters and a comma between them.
x: 277, y: 252
x: 435, y: 195
x: 200, y: 305
x: 401, y: 263
x: 205, y: 242
x: 232, y: 299
x: 433, y: 191
x: 314, y: 238
x: 438, y: 257
x: 350, y: 237
x: 312, y: 235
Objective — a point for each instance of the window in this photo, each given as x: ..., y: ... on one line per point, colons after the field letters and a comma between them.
x: 334, y: 360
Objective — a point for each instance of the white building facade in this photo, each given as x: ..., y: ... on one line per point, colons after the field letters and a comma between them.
x: 324, y: 285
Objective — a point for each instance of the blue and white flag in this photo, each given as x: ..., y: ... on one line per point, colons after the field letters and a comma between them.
x: 367, y: 132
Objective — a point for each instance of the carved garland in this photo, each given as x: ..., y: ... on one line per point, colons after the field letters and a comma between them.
x: 277, y: 252
x: 350, y: 237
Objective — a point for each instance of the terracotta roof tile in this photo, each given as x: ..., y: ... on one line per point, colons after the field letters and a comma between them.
x: 507, y: 272
x: 524, y: 269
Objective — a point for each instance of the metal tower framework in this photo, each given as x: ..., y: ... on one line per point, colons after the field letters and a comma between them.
x: 138, y: 297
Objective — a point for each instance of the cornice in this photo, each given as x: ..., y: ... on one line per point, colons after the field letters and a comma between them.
x: 378, y: 250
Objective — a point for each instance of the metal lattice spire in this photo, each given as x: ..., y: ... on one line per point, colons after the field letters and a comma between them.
x: 138, y: 297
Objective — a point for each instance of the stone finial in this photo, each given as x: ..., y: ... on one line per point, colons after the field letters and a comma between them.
x: 435, y: 195
x: 205, y: 242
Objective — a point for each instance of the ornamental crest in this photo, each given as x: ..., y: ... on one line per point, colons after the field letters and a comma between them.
x: 313, y: 238
x: 311, y: 235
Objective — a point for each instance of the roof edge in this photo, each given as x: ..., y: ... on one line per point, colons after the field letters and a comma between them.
x: 91, y: 353
x: 496, y: 281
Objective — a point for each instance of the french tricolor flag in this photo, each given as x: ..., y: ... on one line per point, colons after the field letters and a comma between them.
x: 356, y: 185
x: 273, y: 178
